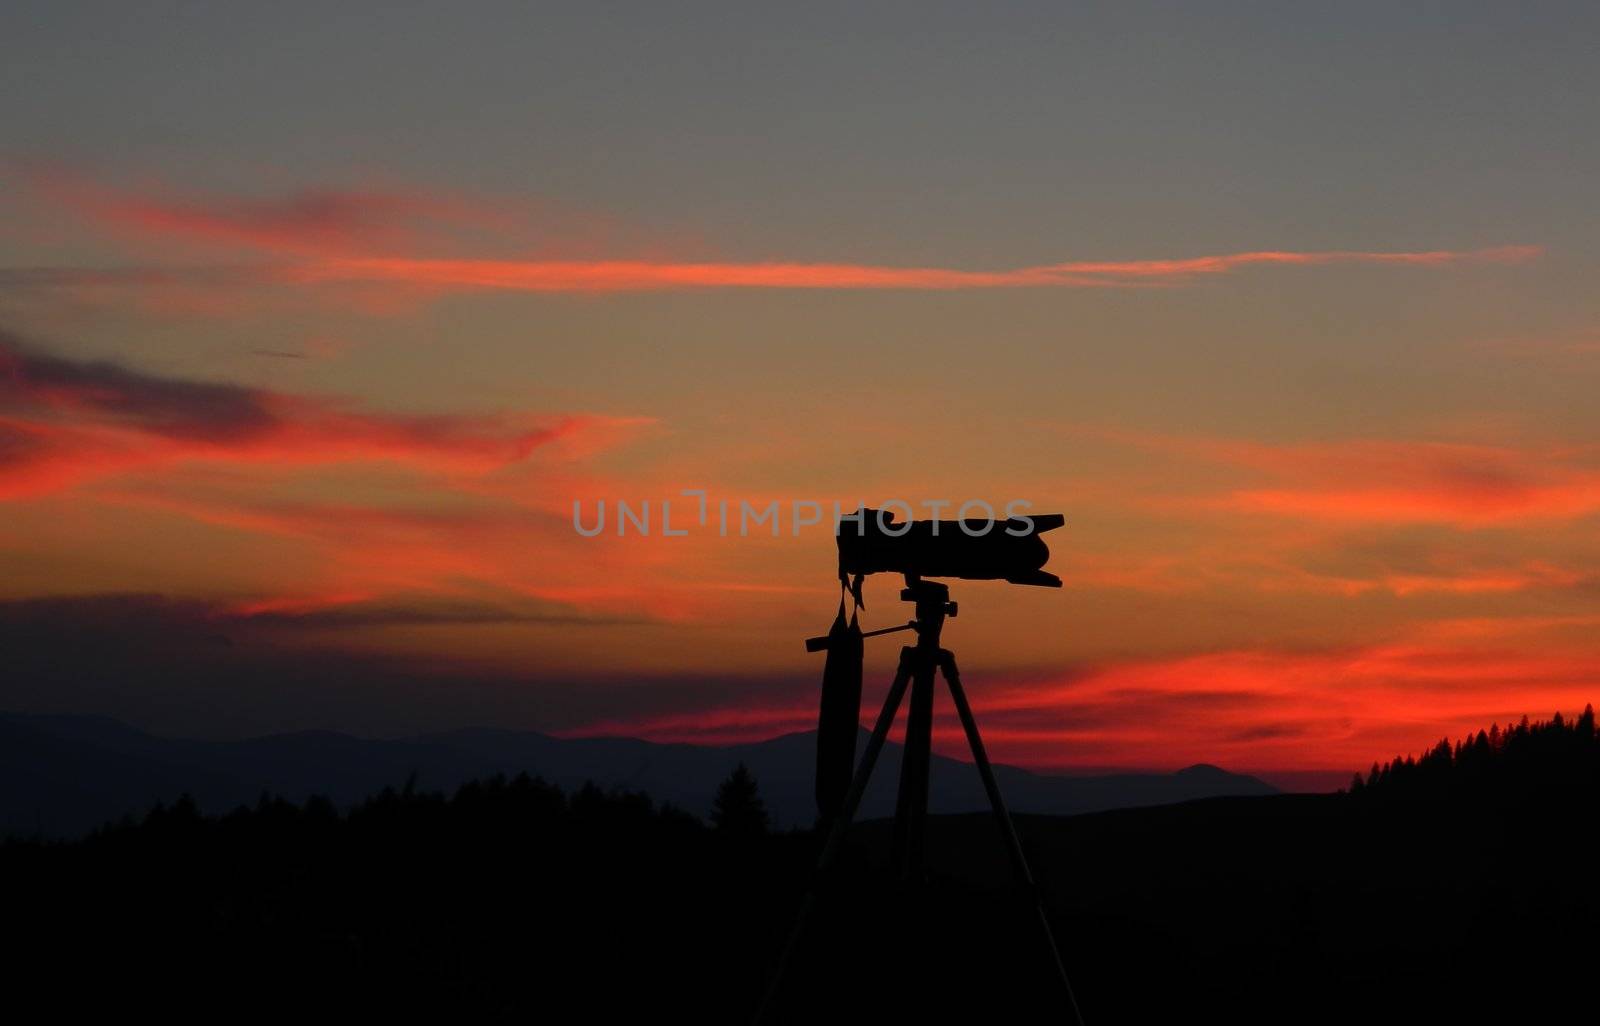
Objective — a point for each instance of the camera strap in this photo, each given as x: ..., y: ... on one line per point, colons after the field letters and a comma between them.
x: 839, y: 717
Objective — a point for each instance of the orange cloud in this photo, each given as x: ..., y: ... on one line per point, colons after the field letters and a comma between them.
x: 634, y: 275
x: 423, y: 278
x: 1571, y: 495
x: 1191, y: 266
x: 1382, y: 481
x: 470, y: 546
x: 1524, y: 577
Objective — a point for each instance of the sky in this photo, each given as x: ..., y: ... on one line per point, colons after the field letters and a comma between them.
x: 316, y: 322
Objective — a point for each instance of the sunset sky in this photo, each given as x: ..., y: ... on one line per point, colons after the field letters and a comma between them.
x: 316, y: 319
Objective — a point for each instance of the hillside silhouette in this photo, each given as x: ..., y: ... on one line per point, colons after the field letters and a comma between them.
x: 1453, y: 889
x: 61, y: 776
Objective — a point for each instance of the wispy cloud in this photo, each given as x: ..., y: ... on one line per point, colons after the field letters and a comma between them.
x: 636, y: 276
x: 398, y: 240
x: 387, y: 284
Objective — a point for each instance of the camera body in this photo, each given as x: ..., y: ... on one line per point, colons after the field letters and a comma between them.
x: 871, y: 542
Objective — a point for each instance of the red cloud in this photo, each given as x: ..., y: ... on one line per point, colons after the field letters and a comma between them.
x: 730, y: 726
x: 1331, y: 711
x: 313, y: 221
x: 69, y: 421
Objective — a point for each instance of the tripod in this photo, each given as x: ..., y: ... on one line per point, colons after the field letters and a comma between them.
x: 918, y: 665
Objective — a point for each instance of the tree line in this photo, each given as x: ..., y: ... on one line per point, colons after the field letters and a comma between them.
x: 1528, y: 759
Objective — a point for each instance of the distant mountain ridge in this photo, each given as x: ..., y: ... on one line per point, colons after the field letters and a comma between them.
x: 61, y: 776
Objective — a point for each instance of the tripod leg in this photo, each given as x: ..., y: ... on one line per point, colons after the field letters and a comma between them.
x: 1019, y: 862
x: 911, y: 808
x: 841, y: 825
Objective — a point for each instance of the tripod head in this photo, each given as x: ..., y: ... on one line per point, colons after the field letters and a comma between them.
x: 933, y: 604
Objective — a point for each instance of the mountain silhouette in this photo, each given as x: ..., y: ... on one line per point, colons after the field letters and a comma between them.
x: 61, y: 776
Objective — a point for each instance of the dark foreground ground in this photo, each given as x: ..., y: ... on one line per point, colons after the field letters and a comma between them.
x: 513, y: 901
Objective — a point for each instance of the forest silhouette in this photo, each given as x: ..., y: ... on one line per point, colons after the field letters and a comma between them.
x: 1455, y: 884
x: 1547, y: 759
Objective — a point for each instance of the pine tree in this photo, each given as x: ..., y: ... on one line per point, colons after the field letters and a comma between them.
x: 738, y: 808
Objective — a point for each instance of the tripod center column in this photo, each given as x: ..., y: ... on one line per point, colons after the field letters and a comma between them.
x: 911, y: 809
